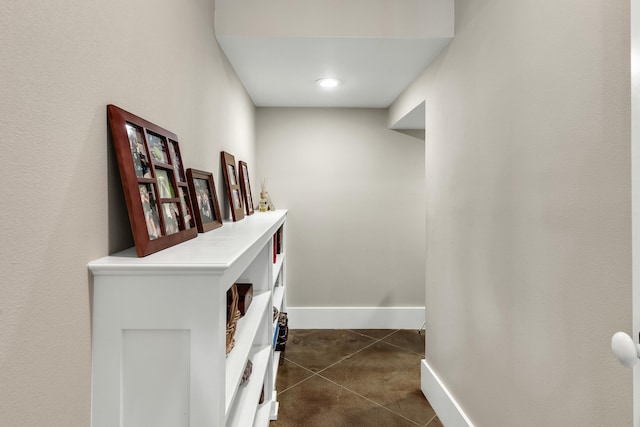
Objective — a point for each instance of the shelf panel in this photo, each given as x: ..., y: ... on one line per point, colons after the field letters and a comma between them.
x: 276, y: 363
x: 275, y: 405
x: 245, y: 334
x: 278, y: 296
x: 277, y: 268
x: 248, y: 395
x: 275, y: 334
x: 262, y: 415
x: 213, y: 252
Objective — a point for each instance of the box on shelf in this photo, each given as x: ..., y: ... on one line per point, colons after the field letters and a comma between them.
x: 245, y: 295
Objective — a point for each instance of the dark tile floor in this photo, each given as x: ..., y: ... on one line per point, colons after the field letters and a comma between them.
x: 355, y: 378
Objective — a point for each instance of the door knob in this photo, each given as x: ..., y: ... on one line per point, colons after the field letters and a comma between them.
x: 626, y: 351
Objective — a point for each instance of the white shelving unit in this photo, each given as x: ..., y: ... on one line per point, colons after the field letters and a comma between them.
x: 159, y: 326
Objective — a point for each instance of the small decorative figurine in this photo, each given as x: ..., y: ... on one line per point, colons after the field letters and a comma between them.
x: 265, y: 203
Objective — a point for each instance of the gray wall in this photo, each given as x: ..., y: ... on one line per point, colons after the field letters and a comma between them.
x: 60, y: 64
x: 528, y: 211
x: 355, y: 191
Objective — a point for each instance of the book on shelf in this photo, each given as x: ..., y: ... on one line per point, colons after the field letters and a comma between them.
x: 277, y: 244
x: 279, y: 240
x: 275, y: 335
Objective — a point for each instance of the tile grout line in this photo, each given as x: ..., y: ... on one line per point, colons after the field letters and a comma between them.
x: 397, y: 346
x: 301, y: 381
x: 429, y: 422
x: 369, y: 400
x: 374, y: 341
x: 377, y: 340
x: 333, y: 364
x: 405, y: 349
x: 369, y: 336
x: 348, y: 356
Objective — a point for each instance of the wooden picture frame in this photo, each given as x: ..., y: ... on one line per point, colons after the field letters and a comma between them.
x: 205, y: 200
x: 245, y: 186
x: 234, y: 193
x: 155, y: 189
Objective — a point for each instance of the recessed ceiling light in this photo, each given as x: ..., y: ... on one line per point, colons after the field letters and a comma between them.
x: 328, y: 83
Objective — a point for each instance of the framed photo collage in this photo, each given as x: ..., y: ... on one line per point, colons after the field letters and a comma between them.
x: 167, y: 206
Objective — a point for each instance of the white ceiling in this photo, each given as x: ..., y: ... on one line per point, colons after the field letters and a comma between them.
x: 281, y: 71
x: 375, y: 47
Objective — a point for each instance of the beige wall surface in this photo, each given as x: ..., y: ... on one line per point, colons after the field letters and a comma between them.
x: 61, y: 63
x: 336, y: 18
x: 355, y: 194
x: 529, y: 211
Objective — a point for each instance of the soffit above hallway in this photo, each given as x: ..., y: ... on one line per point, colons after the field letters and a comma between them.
x: 279, y: 48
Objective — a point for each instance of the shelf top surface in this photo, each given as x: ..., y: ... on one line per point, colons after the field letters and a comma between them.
x: 213, y: 250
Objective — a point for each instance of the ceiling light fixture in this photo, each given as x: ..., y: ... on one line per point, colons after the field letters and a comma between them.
x: 328, y: 83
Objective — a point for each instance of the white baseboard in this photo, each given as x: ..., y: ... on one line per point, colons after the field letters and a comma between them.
x: 355, y: 317
x: 446, y: 407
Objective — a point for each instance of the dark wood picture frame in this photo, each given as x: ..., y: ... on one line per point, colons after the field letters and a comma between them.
x: 149, y: 158
x: 234, y: 193
x: 205, y: 200
x: 245, y: 185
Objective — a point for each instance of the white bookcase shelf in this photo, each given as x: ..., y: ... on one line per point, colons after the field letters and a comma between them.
x: 159, y: 326
x: 262, y: 415
x: 277, y: 267
x: 278, y: 297
x: 245, y: 337
x: 249, y: 393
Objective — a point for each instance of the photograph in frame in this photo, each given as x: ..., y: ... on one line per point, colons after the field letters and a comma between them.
x: 205, y: 207
x: 186, y: 209
x: 157, y: 147
x: 164, y: 184
x: 237, y: 204
x: 231, y: 185
x: 232, y: 174
x: 150, y: 209
x: 203, y: 197
x: 245, y: 186
x: 171, y: 218
x: 176, y: 160
x: 138, y: 152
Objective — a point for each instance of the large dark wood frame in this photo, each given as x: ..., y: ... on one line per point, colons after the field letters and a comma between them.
x: 245, y: 185
x: 145, y: 240
x: 203, y: 227
x: 229, y: 163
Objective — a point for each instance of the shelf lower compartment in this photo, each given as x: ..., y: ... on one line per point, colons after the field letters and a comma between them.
x: 263, y: 415
x: 248, y: 395
x: 277, y: 267
x: 276, y: 362
x: 245, y: 335
x: 278, y: 297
